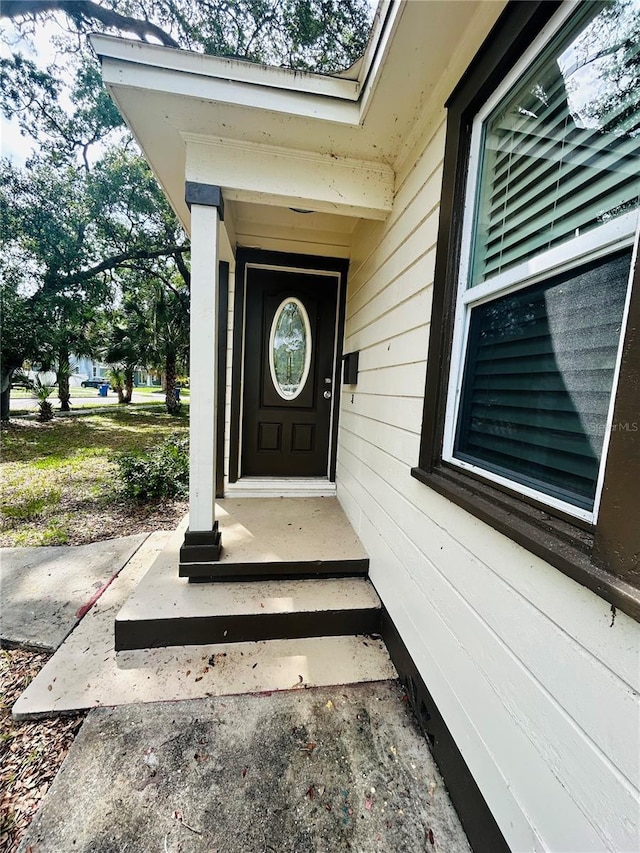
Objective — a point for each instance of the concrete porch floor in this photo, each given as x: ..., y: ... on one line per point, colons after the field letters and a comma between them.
x: 271, y: 538
x: 279, y: 533
x: 285, y: 529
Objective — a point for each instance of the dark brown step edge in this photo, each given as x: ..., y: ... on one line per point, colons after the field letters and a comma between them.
x: 203, y: 572
x: 478, y: 822
x: 206, y: 630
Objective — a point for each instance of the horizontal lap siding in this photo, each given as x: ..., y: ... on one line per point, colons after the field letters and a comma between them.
x: 537, y: 686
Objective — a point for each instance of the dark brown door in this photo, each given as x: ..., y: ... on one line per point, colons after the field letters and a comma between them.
x: 288, y: 369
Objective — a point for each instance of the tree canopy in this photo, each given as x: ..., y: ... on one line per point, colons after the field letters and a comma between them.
x: 84, y: 226
x: 318, y: 35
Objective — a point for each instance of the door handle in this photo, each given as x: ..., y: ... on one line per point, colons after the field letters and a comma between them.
x: 327, y: 395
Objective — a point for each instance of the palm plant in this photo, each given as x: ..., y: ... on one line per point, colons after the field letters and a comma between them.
x: 41, y: 391
x: 169, y: 310
x: 127, y: 341
x: 117, y: 381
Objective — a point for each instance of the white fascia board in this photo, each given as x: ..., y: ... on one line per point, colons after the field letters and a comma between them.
x: 208, y: 90
x: 291, y: 178
x: 377, y: 51
x: 221, y: 68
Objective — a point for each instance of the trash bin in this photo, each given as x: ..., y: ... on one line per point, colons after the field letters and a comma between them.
x: 102, y: 390
x: 177, y: 393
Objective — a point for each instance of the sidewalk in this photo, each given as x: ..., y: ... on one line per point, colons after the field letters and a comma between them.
x: 45, y: 591
x: 84, y: 404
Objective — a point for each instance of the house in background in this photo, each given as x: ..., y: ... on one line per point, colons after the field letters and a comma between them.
x: 415, y: 287
x: 88, y: 368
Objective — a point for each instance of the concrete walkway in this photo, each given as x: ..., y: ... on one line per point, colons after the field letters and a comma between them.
x: 87, y: 672
x: 237, y: 748
x: 308, y: 771
x: 45, y: 591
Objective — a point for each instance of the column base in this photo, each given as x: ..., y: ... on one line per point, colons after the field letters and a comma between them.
x: 201, y: 546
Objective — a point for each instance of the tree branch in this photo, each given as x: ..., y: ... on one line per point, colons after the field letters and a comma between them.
x: 120, y: 260
x: 83, y: 11
x: 183, y: 268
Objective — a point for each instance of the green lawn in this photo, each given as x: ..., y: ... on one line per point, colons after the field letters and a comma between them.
x: 59, y: 478
x: 23, y: 394
x: 157, y: 390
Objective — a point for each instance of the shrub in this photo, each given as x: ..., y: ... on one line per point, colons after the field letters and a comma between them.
x: 162, y: 472
x: 41, y: 391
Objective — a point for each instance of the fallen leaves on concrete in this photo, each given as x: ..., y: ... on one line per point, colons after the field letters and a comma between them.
x: 31, y: 752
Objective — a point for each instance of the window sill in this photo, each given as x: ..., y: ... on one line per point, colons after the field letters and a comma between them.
x: 561, y: 544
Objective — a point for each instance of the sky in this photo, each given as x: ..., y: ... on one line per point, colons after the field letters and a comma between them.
x: 40, y: 47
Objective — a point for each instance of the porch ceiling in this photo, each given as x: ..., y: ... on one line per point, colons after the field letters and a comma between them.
x: 267, y: 227
x: 171, y: 99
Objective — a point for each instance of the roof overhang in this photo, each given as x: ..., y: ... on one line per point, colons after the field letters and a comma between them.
x: 286, y: 138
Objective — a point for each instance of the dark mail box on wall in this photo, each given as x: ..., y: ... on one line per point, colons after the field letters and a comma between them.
x: 350, y: 368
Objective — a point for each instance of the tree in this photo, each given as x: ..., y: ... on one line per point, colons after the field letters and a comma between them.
x: 20, y: 331
x: 127, y: 347
x: 319, y: 35
x: 154, y: 322
x: 82, y: 13
x: 88, y: 211
x: 117, y: 379
x: 170, y: 325
x: 127, y: 333
x: 71, y: 230
x: 34, y: 96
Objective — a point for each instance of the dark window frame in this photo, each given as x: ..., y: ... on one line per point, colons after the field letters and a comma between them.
x: 604, y: 557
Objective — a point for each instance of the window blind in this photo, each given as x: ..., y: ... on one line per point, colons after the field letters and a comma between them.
x: 561, y: 154
x: 538, y: 380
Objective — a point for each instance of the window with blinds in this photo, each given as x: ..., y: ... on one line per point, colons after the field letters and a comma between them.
x: 561, y: 152
x: 538, y: 381
x: 557, y: 163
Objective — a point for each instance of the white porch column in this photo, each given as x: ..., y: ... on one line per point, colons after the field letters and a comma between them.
x: 202, y: 540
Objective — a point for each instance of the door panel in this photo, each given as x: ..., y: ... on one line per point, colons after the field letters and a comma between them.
x: 284, y: 437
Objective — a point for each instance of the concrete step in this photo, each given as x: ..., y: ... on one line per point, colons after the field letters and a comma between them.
x: 278, y: 538
x: 205, y: 572
x: 86, y: 671
x: 276, y: 579
x: 165, y: 611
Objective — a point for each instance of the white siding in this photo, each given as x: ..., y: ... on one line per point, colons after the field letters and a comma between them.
x: 536, y: 681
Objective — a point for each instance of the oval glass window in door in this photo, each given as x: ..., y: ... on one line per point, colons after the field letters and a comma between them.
x: 290, y: 348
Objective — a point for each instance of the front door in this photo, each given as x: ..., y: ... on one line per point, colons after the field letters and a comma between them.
x: 288, y: 368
